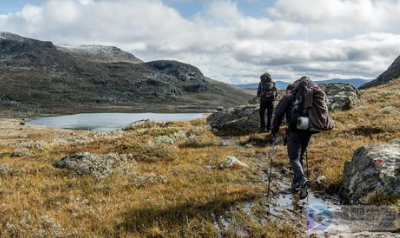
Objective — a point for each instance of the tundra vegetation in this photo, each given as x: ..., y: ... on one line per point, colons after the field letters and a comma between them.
x: 163, y: 180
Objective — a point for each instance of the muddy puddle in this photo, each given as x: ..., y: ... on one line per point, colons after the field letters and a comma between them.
x: 313, y: 214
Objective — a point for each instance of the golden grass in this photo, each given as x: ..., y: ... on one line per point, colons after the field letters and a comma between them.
x: 374, y: 122
x: 173, y: 188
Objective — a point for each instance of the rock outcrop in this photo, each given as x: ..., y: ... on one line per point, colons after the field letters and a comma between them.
x: 374, y: 170
x: 341, y: 96
x: 240, y: 120
x: 191, y: 77
x: 392, y: 73
x: 99, y: 166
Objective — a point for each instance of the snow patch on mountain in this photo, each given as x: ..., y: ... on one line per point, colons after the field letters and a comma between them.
x: 100, y: 53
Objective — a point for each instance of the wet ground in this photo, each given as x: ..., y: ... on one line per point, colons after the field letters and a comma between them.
x: 322, y: 215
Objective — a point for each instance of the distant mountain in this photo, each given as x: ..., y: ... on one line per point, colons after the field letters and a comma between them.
x: 246, y: 86
x: 282, y: 85
x: 356, y: 82
x: 392, y: 73
x: 39, y: 76
x: 279, y: 84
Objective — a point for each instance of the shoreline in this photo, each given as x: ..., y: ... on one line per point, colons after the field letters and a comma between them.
x: 29, y: 114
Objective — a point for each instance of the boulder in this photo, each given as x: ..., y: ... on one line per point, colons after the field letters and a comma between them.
x: 341, y: 96
x: 373, y: 170
x: 99, y: 166
x: 240, y: 120
x: 231, y: 162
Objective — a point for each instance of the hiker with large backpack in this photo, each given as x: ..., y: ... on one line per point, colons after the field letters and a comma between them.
x: 267, y: 92
x: 306, y: 113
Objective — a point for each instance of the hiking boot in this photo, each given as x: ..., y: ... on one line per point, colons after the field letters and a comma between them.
x: 290, y: 190
x: 295, y: 186
x: 303, y: 188
x: 263, y: 130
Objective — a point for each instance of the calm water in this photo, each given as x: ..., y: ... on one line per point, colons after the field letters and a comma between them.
x: 108, y: 121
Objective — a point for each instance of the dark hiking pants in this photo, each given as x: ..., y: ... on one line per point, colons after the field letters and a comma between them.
x: 269, y: 106
x: 297, y: 143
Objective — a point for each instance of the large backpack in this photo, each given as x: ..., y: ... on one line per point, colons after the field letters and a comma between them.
x: 310, y: 111
x: 268, y: 89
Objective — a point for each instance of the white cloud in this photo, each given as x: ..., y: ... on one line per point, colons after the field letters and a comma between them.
x: 65, y: 12
x: 32, y: 14
x: 323, y: 39
x: 339, y: 16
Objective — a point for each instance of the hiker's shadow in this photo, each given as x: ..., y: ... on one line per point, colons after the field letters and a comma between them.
x: 257, y: 140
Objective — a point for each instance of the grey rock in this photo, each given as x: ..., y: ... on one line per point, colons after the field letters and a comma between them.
x: 192, y: 78
x: 240, y: 120
x: 99, y: 166
x: 141, y: 181
x: 319, y: 183
x: 145, y: 123
x: 341, y: 96
x: 231, y: 162
x: 20, y: 152
x: 5, y: 169
x: 373, y: 170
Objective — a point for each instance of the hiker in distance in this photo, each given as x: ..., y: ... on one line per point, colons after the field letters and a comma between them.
x: 267, y: 92
x: 296, y: 105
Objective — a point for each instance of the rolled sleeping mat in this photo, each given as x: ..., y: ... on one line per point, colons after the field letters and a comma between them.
x: 303, y: 123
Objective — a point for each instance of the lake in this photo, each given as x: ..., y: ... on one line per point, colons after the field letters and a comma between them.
x: 108, y: 121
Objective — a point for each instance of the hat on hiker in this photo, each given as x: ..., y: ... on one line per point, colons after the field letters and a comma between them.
x: 290, y: 86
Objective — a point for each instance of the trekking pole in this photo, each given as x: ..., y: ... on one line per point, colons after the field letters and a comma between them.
x: 270, y: 168
x: 274, y: 142
x: 308, y: 174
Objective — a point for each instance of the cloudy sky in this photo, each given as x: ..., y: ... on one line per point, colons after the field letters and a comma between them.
x: 233, y: 41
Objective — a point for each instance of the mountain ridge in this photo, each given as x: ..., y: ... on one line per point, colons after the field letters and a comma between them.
x: 41, y: 77
x: 392, y: 73
x: 100, y: 53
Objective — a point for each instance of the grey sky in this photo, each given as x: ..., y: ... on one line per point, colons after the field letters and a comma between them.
x: 231, y: 41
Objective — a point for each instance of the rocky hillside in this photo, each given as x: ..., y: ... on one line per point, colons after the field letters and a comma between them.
x: 392, y: 73
x: 41, y: 77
